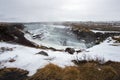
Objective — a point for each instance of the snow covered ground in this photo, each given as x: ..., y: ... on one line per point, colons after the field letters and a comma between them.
x: 96, y: 31
x: 109, y: 50
x: 26, y: 58
x: 54, y: 36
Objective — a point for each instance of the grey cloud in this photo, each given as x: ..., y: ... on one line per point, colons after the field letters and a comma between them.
x: 59, y: 10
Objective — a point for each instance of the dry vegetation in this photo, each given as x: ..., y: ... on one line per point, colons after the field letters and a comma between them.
x: 117, y: 39
x: 71, y: 73
x: 48, y: 48
x: 50, y: 72
x: 13, y: 74
x: 96, y: 71
x: 104, y: 26
x: 53, y: 72
x: 84, y: 71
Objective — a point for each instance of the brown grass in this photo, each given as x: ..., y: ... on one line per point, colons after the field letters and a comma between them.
x: 103, y: 27
x: 71, y: 73
x: 93, y: 72
x: 53, y: 72
x: 86, y: 71
x: 117, y: 39
x: 13, y: 74
x: 49, y: 48
x: 50, y: 72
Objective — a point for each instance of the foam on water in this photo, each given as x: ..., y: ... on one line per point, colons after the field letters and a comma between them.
x: 55, y: 35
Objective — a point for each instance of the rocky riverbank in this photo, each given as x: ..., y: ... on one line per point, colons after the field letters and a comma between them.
x: 13, y: 32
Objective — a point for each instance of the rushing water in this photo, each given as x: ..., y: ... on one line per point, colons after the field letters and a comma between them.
x: 53, y: 35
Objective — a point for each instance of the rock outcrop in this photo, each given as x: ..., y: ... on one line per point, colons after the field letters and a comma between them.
x: 43, y: 53
x: 90, y: 37
x: 70, y: 50
x: 13, y: 32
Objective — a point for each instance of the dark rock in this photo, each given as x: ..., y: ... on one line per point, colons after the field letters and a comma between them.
x: 43, y: 53
x: 14, y: 33
x: 78, y: 51
x: 51, y: 48
x: 3, y: 49
x: 12, y: 60
x: 91, y: 37
x: 13, y: 74
x: 38, y: 36
x: 70, y: 50
x: 88, y: 36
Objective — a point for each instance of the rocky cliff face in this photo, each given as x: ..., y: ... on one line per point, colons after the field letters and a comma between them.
x: 91, y: 37
x: 10, y: 32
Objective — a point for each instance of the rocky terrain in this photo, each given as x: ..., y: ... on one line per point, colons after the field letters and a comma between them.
x: 64, y: 51
x: 12, y: 32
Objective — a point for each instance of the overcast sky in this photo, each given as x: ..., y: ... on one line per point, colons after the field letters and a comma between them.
x: 59, y: 10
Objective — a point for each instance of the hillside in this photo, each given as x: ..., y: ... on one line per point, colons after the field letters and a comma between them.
x: 40, y: 51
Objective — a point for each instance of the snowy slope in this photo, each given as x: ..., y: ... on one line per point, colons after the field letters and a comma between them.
x: 26, y: 59
x: 109, y: 50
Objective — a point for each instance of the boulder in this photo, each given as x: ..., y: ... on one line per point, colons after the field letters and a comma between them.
x: 70, y: 50
x: 38, y: 36
x: 43, y: 53
x: 78, y: 51
x: 12, y: 60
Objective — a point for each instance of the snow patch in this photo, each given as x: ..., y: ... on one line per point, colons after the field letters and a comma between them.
x: 25, y: 58
x: 104, y: 50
